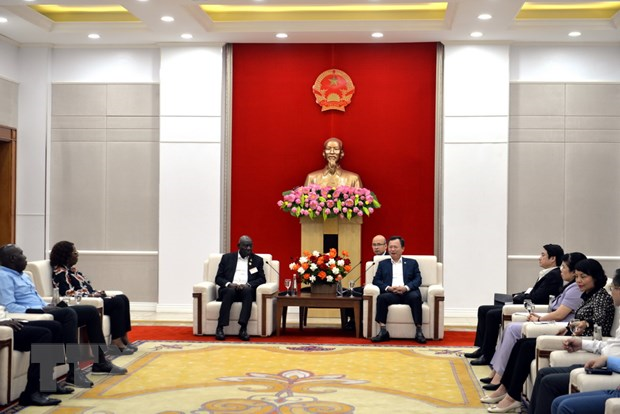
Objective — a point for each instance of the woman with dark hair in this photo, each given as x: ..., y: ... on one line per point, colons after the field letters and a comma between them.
x: 597, y: 308
x: 562, y: 309
x: 70, y: 282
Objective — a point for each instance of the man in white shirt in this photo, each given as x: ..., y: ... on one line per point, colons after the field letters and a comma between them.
x: 238, y: 276
x: 399, y: 281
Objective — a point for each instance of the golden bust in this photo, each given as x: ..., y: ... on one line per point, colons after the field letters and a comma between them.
x: 333, y: 175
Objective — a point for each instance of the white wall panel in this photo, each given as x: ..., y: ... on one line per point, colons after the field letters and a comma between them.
x: 9, y: 62
x: 583, y: 63
x: 105, y: 65
x: 463, y: 129
x: 32, y: 143
x: 191, y: 129
x: 475, y: 167
x: 480, y: 75
x: 475, y: 220
x: 193, y: 81
x: 189, y: 216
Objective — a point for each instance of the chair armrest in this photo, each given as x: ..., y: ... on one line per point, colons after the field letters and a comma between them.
x: 6, y: 333
x: 612, y: 406
x: 435, y: 291
x: 32, y: 316
x: 536, y: 329
x: 566, y: 359
x: 580, y: 381
x: 371, y: 290
x: 111, y: 293
x: 266, y: 293
x: 266, y: 288
x: 96, y: 302
x: 207, y: 290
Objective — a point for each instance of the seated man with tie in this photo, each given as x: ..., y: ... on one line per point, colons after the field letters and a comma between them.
x: 399, y: 281
x: 238, y: 276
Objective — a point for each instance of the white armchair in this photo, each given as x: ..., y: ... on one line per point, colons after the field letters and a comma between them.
x: 399, y: 320
x: 207, y: 308
x: 14, y: 364
x: 41, y: 273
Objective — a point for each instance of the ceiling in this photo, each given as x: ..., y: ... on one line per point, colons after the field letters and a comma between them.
x: 138, y: 22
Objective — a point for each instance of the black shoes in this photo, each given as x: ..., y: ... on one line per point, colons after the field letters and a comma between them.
x: 77, y: 378
x: 480, y: 361
x: 486, y: 380
x: 37, y: 398
x: 419, y: 336
x: 62, y: 390
x: 219, y: 333
x: 243, y: 334
x: 382, y: 336
x: 476, y: 354
x: 107, y: 368
x: 114, y: 350
x: 491, y: 387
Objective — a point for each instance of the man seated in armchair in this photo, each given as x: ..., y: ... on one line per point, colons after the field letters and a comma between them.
x: 399, y: 281
x: 238, y: 276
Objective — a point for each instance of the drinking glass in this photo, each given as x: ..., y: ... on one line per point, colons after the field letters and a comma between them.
x: 528, y: 305
x: 78, y: 297
x: 351, y: 286
x: 572, y: 325
x: 287, y: 285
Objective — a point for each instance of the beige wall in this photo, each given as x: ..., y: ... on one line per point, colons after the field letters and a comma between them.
x: 104, y: 178
x: 8, y: 103
x: 564, y: 174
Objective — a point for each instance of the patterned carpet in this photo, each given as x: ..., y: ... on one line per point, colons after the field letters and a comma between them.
x: 197, y: 377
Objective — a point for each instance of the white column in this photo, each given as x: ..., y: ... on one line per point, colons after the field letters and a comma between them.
x: 475, y: 174
x: 190, y: 159
x: 32, y: 143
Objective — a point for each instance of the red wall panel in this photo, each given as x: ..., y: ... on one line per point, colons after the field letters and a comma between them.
x: 388, y: 132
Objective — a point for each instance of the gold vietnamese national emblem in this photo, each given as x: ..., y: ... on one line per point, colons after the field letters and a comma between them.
x: 333, y: 89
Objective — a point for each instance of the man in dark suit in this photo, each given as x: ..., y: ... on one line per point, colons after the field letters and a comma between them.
x: 238, y: 276
x: 399, y: 281
x: 490, y: 316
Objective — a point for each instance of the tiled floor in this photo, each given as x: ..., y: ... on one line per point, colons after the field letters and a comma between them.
x: 185, y: 319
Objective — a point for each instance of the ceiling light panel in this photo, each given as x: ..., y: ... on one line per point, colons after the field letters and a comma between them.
x: 556, y: 11
x: 112, y: 13
x: 360, y: 12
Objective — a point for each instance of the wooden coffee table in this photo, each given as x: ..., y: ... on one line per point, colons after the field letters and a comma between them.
x: 309, y: 300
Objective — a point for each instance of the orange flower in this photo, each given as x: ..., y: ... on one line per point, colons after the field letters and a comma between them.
x: 306, y: 253
x: 322, y: 274
x: 296, y: 267
x: 332, y: 253
x: 347, y: 268
x: 306, y: 276
x: 338, y: 278
x: 345, y: 253
x: 305, y: 265
x: 320, y: 260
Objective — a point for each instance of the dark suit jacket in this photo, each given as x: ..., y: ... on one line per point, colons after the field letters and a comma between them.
x: 549, y: 284
x: 228, y: 266
x: 411, y: 274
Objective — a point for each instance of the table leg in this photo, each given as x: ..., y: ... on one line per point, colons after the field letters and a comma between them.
x: 278, y: 317
x: 357, y: 314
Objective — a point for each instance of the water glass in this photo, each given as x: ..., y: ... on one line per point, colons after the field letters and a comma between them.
x: 78, y: 297
x: 287, y: 285
x: 351, y: 286
x: 528, y: 305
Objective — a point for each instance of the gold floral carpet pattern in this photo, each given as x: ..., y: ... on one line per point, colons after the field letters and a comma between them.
x: 167, y: 377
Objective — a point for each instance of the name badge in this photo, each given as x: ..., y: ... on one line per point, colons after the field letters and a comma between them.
x: 253, y: 270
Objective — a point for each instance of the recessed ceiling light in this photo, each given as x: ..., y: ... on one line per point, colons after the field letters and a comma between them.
x: 187, y: 36
x: 574, y: 34
x: 167, y: 19
x: 3, y: 20
x: 94, y: 36
x: 377, y: 35
x: 143, y: 1
x: 485, y: 16
x: 476, y: 34
x: 281, y: 35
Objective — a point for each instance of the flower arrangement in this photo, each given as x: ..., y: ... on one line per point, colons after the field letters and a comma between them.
x: 327, y: 268
x: 327, y: 202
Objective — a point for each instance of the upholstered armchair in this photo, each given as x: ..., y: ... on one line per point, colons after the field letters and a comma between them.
x: 399, y: 320
x: 41, y: 273
x: 207, y: 308
x: 14, y: 364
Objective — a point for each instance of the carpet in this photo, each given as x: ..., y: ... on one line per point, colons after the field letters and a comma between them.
x: 227, y: 377
x: 294, y: 335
